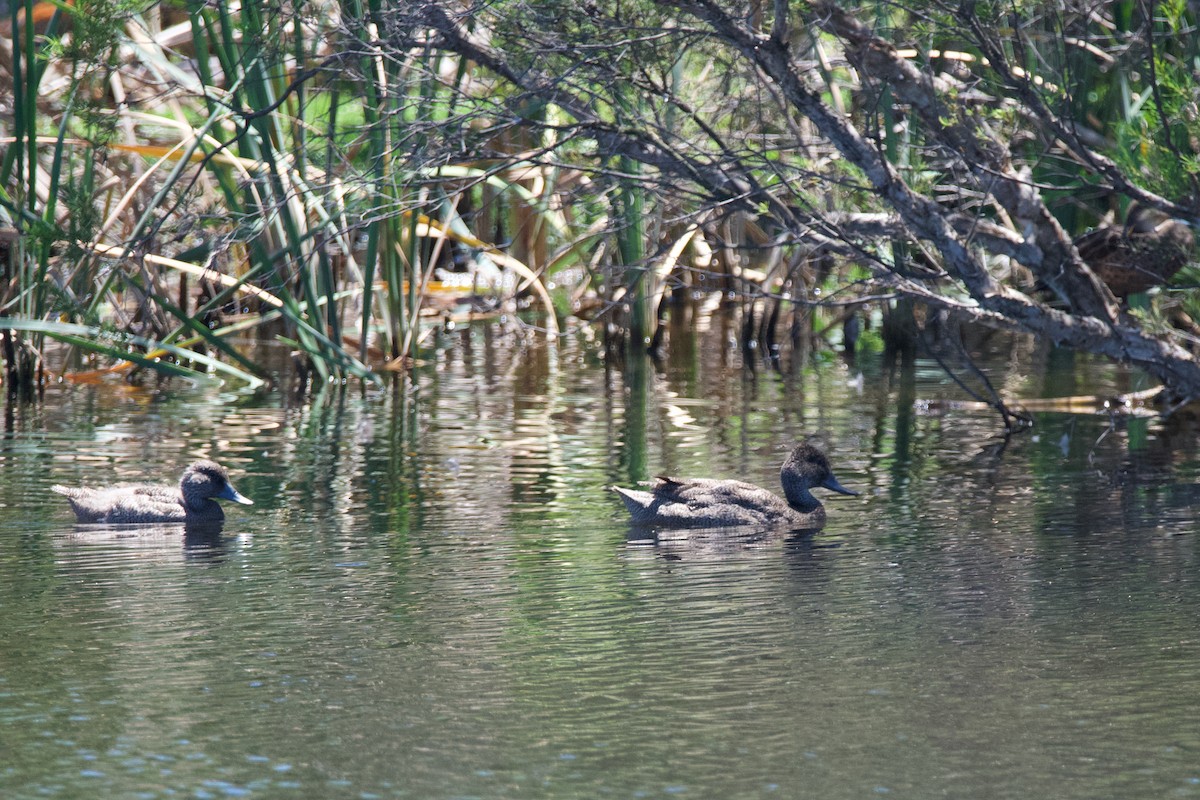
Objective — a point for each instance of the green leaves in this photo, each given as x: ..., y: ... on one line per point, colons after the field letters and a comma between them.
x: 155, y: 355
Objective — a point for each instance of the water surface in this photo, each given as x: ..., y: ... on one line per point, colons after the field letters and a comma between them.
x: 436, y: 596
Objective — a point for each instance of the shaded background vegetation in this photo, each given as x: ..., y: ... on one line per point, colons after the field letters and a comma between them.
x: 183, y: 184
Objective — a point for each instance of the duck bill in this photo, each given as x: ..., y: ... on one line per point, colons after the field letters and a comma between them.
x: 230, y: 493
x: 831, y: 483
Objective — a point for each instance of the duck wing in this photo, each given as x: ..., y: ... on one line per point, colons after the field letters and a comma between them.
x: 705, y: 492
x: 148, y: 490
x: 144, y: 506
x: 125, y: 503
x: 704, y: 503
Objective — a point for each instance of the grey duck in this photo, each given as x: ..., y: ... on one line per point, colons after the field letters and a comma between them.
x: 193, y: 500
x: 1146, y: 252
x: 706, y: 503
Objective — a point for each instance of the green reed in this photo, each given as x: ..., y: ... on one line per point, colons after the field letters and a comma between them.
x: 299, y: 190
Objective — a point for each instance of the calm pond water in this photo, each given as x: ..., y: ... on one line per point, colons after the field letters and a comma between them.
x: 436, y: 596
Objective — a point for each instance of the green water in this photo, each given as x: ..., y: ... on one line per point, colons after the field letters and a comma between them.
x: 435, y: 596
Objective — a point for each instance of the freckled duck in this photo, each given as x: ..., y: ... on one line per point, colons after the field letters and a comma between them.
x: 191, y: 501
x: 704, y: 503
x: 1146, y: 252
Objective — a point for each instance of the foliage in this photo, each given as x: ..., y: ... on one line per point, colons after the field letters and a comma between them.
x: 272, y: 182
x: 323, y: 165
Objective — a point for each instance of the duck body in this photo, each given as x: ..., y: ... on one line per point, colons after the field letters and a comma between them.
x: 1146, y: 252
x: 193, y: 500
x: 706, y: 503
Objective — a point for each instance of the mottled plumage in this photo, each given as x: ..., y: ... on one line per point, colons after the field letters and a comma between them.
x: 1146, y: 252
x: 125, y: 503
x: 705, y: 503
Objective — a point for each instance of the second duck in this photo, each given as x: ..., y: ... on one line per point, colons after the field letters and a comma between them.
x: 706, y: 503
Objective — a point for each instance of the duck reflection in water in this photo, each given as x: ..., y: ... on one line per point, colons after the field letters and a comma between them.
x: 193, y: 501
x: 153, y: 543
x: 706, y: 503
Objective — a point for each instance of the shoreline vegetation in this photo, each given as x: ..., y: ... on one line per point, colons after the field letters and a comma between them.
x: 177, y: 179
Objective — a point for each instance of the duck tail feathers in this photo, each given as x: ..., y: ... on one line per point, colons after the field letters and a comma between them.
x: 635, y: 500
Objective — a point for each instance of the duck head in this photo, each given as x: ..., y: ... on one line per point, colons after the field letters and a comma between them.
x: 206, y: 480
x: 805, y: 468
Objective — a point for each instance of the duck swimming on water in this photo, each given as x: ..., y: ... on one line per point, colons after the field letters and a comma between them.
x: 705, y: 503
x: 193, y: 500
